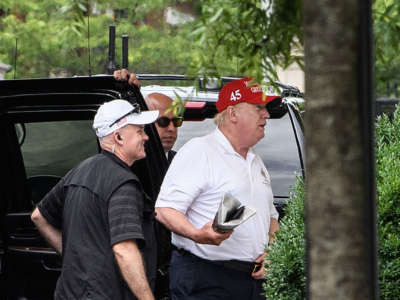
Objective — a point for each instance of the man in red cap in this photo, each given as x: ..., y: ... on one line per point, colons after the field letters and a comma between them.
x: 207, y: 264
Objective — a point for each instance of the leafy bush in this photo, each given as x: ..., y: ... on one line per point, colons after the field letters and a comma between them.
x: 388, y: 185
x: 286, y: 273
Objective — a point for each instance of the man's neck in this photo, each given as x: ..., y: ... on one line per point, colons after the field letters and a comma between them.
x: 114, y: 149
x: 234, y: 140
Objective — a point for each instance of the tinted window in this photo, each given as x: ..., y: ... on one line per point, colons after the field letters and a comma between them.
x: 278, y: 149
x: 53, y: 148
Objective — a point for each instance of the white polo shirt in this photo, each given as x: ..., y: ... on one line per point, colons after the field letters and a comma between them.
x: 201, y: 172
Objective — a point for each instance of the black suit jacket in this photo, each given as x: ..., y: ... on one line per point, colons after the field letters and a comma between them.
x: 170, y: 156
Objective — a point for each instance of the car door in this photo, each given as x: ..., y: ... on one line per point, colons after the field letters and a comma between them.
x: 44, y: 145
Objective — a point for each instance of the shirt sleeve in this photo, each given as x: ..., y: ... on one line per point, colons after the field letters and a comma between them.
x: 187, y: 176
x: 125, y: 213
x: 272, y: 209
x: 52, y: 205
x: 273, y: 212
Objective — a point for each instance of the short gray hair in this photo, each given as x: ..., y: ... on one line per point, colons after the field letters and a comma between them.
x: 105, y: 140
x: 219, y: 118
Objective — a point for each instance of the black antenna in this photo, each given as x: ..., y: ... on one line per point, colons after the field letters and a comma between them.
x: 15, y: 57
x: 88, y: 41
x: 125, y: 38
x: 111, y: 50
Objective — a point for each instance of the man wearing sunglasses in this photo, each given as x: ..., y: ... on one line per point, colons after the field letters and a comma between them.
x: 167, y: 127
x: 167, y: 123
x: 207, y: 264
x: 98, y: 217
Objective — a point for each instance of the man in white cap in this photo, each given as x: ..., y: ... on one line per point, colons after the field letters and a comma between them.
x: 167, y: 127
x: 98, y: 218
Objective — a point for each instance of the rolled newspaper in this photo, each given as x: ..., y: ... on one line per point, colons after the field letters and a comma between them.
x: 231, y: 213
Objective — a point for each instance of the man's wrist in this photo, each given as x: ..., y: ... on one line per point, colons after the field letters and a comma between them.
x: 196, y: 235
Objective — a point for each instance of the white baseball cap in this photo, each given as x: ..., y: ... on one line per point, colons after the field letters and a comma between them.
x: 116, y: 114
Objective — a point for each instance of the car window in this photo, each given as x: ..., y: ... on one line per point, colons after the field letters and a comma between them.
x: 53, y: 148
x: 278, y: 149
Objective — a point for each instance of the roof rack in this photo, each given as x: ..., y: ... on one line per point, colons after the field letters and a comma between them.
x: 289, y: 90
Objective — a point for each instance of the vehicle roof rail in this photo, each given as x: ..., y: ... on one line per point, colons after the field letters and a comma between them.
x: 289, y: 90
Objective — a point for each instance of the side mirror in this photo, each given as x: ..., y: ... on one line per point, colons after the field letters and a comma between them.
x: 276, y: 108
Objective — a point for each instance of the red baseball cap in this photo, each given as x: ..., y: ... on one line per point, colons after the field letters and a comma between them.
x: 239, y: 91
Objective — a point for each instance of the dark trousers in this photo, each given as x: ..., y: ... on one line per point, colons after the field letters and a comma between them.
x: 193, y: 278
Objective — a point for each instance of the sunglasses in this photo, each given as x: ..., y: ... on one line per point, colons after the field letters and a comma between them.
x: 135, y: 110
x: 164, y: 121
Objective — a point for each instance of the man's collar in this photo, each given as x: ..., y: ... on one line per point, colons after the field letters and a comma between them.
x: 223, y: 140
x: 115, y: 158
x: 226, y: 144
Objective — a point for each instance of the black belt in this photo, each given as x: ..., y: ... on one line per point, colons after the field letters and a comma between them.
x: 233, y: 264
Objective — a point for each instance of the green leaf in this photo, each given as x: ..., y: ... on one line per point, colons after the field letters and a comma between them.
x: 216, y: 16
x: 82, y: 7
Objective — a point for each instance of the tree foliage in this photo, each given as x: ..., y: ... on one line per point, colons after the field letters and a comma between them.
x: 52, y: 37
x: 253, y: 35
x: 260, y: 37
x: 249, y: 37
x: 386, y: 15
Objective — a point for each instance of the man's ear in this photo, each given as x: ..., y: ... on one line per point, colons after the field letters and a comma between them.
x: 231, y: 114
x: 117, y: 137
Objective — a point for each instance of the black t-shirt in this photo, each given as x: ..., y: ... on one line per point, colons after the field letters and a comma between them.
x: 97, y: 205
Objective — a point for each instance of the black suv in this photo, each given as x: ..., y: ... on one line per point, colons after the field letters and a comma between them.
x: 46, y: 130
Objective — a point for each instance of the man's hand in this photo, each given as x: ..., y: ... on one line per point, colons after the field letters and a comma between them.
x: 125, y: 75
x: 260, y: 274
x: 207, y: 235
x: 177, y: 222
x: 273, y: 228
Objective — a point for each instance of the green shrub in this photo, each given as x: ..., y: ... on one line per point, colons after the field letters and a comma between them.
x: 286, y: 273
x: 388, y: 186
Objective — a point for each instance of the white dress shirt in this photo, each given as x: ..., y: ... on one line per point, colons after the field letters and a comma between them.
x: 202, y: 171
